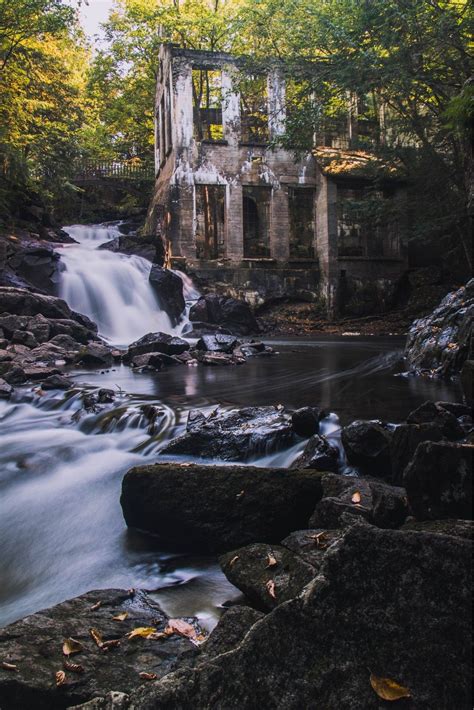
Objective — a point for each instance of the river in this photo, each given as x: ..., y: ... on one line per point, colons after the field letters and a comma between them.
x: 61, y: 526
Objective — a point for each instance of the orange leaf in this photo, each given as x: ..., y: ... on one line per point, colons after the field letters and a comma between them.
x: 270, y: 585
x: 71, y: 646
x: 60, y: 678
x: 388, y: 689
x: 272, y: 561
x: 148, y: 676
x: 9, y: 666
x: 356, y: 498
x: 120, y: 617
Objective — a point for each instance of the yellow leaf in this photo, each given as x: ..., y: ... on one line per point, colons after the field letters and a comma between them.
x: 71, y: 646
x: 270, y: 585
x: 388, y: 689
x: 148, y: 676
x: 356, y: 498
x: 141, y: 632
x: 120, y: 617
x: 60, y: 678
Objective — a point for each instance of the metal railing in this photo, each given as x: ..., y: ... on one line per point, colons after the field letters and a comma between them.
x: 90, y: 170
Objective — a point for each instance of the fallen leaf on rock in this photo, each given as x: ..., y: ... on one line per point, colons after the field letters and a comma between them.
x: 319, y: 540
x: 148, y: 676
x: 9, y: 666
x: 240, y: 495
x: 356, y: 497
x: 233, y: 561
x: 182, y: 628
x: 97, y: 636
x: 388, y: 689
x: 270, y: 585
x: 113, y: 643
x: 60, y: 678
x: 142, y: 632
x: 120, y: 617
x: 158, y: 635
x: 96, y: 606
x: 272, y: 561
x: 73, y: 667
x: 71, y: 646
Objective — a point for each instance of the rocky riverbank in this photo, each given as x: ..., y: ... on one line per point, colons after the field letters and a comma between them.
x: 356, y: 588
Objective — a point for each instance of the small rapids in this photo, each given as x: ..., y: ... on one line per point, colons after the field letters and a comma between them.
x: 112, y: 288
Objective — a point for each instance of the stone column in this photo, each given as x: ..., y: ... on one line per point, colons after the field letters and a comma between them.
x: 326, y: 224
x: 276, y: 103
x: 230, y: 106
x: 234, y: 230
x: 279, y: 224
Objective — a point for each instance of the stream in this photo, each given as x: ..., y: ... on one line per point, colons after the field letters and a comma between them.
x: 61, y: 527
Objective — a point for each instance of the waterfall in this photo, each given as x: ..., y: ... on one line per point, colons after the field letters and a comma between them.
x: 112, y: 288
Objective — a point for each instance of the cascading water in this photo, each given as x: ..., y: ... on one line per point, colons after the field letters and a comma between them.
x: 113, y: 288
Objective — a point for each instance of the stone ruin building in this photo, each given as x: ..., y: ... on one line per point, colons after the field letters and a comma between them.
x: 253, y: 219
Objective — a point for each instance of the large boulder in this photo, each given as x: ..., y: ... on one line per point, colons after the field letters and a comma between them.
x: 148, y: 247
x: 157, y: 343
x: 345, y: 498
x: 404, y: 442
x: 387, y: 604
x: 367, y: 445
x: 34, y: 647
x: 169, y: 290
x: 268, y: 575
x: 218, y: 507
x: 218, y: 343
x: 440, y: 342
x: 319, y: 455
x: 438, y: 413
x: 306, y: 421
x: 19, y: 301
x: 236, y: 435
x: 224, y: 311
x: 36, y: 264
x: 438, y: 481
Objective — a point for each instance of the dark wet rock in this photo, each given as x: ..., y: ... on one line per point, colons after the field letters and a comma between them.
x: 96, y: 354
x: 57, y: 382
x: 50, y: 354
x: 467, y: 380
x: 393, y: 603
x: 14, y: 375
x: 24, y: 337
x: 306, y: 421
x: 225, y: 311
x: 440, y: 342
x: 230, y: 631
x: 434, y: 412
x: 457, y: 408
x: 218, y: 507
x: 76, y: 331
x: 36, y: 373
x: 236, y: 435
x: 6, y: 390
x: 199, y: 329
x: 149, y: 248
x: 216, y: 359
x: 40, y: 327
x: 157, y: 343
x: 66, y: 342
x: 6, y: 356
x: 404, y: 442
x: 25, y: 303
x: 148, y: 361
x: 319, y: 455
x: 217, y: 343
x: 345, y: 497
x: 311, y: 545
x: 36, y: 264
x: 367, y: 445
x: 457, y: 528
x: 438, y: 481
x: 268, y: 575
x: 34, y: 645
x: 169, y: 290
x: 105, y: 396
x: 3, y: 343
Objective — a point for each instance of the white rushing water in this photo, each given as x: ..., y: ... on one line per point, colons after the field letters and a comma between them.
x: 112, y: 288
